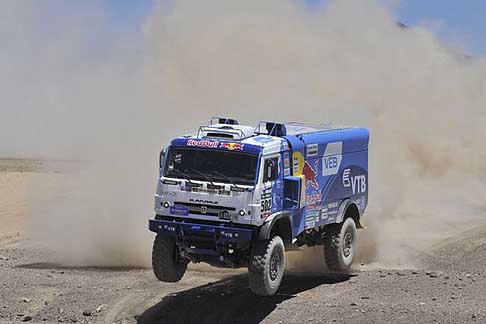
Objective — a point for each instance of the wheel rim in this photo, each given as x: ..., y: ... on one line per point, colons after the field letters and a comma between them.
x: 348, y: 244
x: 274, y: 265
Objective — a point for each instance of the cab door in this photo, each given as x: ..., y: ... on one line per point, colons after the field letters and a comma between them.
x: 272, y: 195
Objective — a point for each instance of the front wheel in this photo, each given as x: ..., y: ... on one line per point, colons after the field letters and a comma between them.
x: 167, y: 264
x: 267, y: 265
x: 340, y: 245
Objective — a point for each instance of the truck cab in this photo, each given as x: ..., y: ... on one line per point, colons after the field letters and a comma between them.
x: 238, y: 196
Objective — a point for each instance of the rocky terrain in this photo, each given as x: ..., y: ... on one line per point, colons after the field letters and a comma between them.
x: 449, y: 287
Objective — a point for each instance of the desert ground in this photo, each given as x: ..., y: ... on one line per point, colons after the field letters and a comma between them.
x: 448, y: 287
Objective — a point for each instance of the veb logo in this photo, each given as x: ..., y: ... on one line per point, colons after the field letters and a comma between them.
x: 330, y: 162
x: 332, y: 158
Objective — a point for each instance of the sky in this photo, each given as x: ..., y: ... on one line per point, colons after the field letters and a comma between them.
x: 459, y: 23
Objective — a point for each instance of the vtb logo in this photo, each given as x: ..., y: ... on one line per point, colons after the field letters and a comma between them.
x: 357, y: 183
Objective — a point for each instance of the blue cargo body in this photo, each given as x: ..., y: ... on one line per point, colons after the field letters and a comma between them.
x: 335, y: 165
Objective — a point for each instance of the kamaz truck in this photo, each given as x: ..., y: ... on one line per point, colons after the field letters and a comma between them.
x: 240, y: 196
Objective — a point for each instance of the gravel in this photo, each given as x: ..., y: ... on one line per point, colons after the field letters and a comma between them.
x: 443, y: 291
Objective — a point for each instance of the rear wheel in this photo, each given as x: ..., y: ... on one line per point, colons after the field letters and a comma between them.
x: 267, y: 266
x: 340, y: 245
x: 167, y: 264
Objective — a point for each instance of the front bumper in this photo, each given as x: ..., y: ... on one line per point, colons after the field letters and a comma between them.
x: 203, y: 239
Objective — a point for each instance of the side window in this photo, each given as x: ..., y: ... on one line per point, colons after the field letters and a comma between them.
x: 270, y: 172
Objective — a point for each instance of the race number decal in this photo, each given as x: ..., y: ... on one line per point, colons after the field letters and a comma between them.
x: 266, y: 205
x: 266, y: 202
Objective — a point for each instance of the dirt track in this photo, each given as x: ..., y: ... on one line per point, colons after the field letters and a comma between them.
x: 449, y: 289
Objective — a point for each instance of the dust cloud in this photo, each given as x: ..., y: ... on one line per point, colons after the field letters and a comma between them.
x: 76, y: 90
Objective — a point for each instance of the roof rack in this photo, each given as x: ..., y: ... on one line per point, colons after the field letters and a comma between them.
x: 271, y: 129
x: 223, y: 120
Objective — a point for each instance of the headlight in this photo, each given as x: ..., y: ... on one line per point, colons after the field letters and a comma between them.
x: 166, y: 204
x: 242, y: 212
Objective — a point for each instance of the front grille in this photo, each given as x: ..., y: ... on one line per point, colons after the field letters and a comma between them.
x: 204, y: 209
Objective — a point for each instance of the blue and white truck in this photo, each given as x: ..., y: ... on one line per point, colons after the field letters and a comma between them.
x: 239, y: 196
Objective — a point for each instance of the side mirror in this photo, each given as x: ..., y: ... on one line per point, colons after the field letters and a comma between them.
x: 162, y: 158
x: 270, y: 170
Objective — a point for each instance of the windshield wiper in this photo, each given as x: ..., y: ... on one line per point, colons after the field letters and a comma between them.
x: 228, y: 179
x: 184, y: 175
x: 204, y: 175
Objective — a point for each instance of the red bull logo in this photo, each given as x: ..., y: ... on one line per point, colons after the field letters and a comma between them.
x: 310, y: 175
x: 203, y: 143
x: 232, y: 146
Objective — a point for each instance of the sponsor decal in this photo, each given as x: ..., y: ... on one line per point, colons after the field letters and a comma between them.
x: 232, y: 146
x: 332, y: 158
x: 346, y: 181
x: 311, y: 218
x: 168, y: 193
x: 266, y: 195
x: 330, y: 162
x: 357, y: 183
x: 297, y: 163
x: 333, y: 205
x: 179, y: 210
x: 265, y: 214
x: 286, y: 160
x: 312, y: 150
x: 330, y: 210
x: 324, y: 214
x: 311, y: 175
x: 363, y: 202
x: 227, y: 235
x: 313, y: 200
x: 203, y: 143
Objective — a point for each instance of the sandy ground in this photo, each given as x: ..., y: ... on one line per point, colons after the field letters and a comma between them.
x: 450, y: 287
x: 12, y: 202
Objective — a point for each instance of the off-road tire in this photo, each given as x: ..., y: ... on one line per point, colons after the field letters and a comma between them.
x: 264, y: 278
x: 166, y: 262
x: 339, y: 253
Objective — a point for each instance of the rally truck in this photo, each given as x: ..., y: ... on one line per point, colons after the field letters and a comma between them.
x: 240, y: 196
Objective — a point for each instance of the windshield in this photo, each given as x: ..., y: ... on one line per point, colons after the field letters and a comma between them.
x: 218, y: 166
